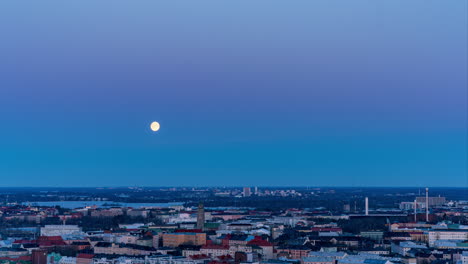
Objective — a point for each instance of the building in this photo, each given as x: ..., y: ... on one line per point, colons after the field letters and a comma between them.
x: 166, y: 259
x: 137, y: 213
x: 464, y: 257
x: 246, y: 192
x: 432, y: 201
x: 403, y: 247
x: 67, y: 260
x: 296, y: 252
x: 183, y: 238
x: 410, y: 205
x: 318, y: 260
x: 13, y: 252
x: 214, y: 251
x: 334, y: 255
x: 60, y: 230
x: 84, y: 258
x: 201, y: 216
x: 448, y: 235
x: 373, y: 235
x: 122, y: 249
x: 111, y: 212
x: 39, y: 256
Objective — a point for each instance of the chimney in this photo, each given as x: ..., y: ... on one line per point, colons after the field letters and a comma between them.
x: 427, y: 204
x: 367, y: 206
x: 415, y: 212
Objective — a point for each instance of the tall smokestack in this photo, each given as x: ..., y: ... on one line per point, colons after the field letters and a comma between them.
x: 415, y: 212
x: 427, y: 204
x: 367, y: 206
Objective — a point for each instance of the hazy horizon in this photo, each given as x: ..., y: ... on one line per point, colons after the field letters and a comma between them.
x: 422, y: 188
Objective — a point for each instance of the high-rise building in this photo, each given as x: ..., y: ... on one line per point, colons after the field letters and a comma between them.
x: 247, y: 192
x: 201, y: 216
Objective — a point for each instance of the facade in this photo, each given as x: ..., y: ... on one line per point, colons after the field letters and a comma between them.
x: 107, y: 212
x: 402, y: 248
x: 246, y: 192
x: 39, y: 256
x: 177, y: 239
x: 318, y: 260
x: 67, y: 260
x: 137, y: 213
x: 84, y: 259
x: 215, y: 250
x: 464, y: 257
x: 373, y: 235
x: 458, y: 235
x: 13, y: 252
x: 410, y: 205
x: 60, y: 230
x: 293, y: 253
x: 432, y: 201
x: 122, y: 249
x: 334, y: 255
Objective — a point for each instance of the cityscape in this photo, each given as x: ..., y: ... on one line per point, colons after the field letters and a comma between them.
x: 229, y: 225
x: 234, y: 132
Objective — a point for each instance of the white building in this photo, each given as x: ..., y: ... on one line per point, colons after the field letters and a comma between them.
x: 166, y: 259
x: 464, y: 257
x: 182, y: 218
x: 103, y: 261
x: 67, y: 260
x: 458, y: 235
x: 60, y: 230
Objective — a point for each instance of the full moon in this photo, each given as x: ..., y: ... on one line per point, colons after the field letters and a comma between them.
x: 155, y: 126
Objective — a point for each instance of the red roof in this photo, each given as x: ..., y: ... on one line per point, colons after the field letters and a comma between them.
x: 188, y: 231
x: 50, y: 238
x: 199, y: 256
x: 20, y: 258
x: 225, y: 257
x: 85, y: 256
x: 257, y: 241
x: 215, y: 246
x: 24, y: 241
x: 47, y: 243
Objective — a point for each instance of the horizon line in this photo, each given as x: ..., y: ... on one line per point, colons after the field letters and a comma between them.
x: 234, y: 186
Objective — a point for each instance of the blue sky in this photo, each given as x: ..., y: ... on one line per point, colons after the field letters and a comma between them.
x: 324, y: 93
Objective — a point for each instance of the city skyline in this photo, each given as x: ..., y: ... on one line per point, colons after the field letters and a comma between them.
x: 316, y: 93
x: 234, y: 132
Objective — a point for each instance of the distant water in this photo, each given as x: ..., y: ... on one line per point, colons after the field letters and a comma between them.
x: 101, y: 204
x: 224, y: 208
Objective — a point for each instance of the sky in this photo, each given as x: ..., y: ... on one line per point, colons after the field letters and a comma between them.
x: 248, y: 93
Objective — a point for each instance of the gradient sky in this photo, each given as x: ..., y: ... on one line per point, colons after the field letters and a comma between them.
x: 264, y: 92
